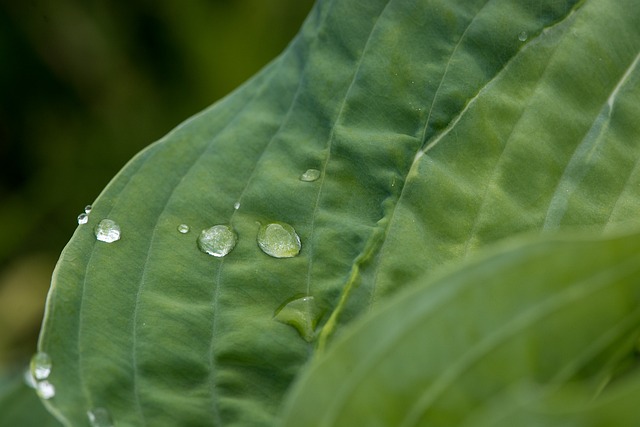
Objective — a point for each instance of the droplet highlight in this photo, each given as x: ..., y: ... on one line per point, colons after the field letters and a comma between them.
x: 302, y: 313
x: 310, y: 175
x: 87, y: 209
x: 83, y: 218
x: 217, y: 241
x: 183, y: 228
x: 523, y: 36
x: 236, y: 205
x: 45, y: 389
x: 100, y: 417
x: 107, y: 231
x: 40, y: 366
x: 279, y: 240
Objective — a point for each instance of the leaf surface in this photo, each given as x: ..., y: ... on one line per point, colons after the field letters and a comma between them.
x: 436, y: 126
x: 545, y: 313
x: 20, y: 406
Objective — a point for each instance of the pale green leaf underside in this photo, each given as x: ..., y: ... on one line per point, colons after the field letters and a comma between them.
x: 440, y: 355
x: 435, y: 129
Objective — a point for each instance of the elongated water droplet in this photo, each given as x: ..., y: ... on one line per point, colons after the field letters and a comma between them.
x: 83, y: 218
x: 523, y: 36
x: 40, y: 366
x: 302, y: 314
x: 279, y: 240
x: 236, y: 205
x: 183, y: 228
x: 218, y: 240
x: 310, y: 175
x: 87, y: 209
x: 45, y: 389
x: 107, y: 231
x: 100, y: 417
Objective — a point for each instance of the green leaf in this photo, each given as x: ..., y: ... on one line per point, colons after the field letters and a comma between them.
x: 436, y: 130
x: 548, y: 312
x: 20, y: 407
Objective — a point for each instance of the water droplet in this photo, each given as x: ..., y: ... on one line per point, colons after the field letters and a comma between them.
x: 236, y: 205
x: 107, y: 231
x: 28, y: 378
x: 45, y: 389
x: 83, y: 218
x: 183, y: 228
x: 100, y: 417
x: 40, y: 365
x: 301, y: 313
x: 279, y: 240
x: 87, y: 209
x: 523, y: 36
x: 310, y: 175
x: 218, y: 240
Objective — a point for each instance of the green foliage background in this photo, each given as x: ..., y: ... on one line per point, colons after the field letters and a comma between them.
x: 84, y: 85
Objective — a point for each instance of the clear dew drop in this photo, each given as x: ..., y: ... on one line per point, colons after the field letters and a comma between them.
x: 523, y: 36
x: 100, y: 417
x: 279, y: 240
x: 83, y: 218
x: 87, y: 209
x: 302, y: 313
x: 107, y: 231
x: 310, y: 175
x: 218, y: 240
x: 40, y: 366
x: 236, y: 205
x: 45, y: 389
x: 183, y: 228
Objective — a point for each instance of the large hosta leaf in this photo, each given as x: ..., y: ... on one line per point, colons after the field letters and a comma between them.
x: 547, y: 313
x: 436, y: 127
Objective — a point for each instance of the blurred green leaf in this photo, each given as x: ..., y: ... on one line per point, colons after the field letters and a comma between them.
x: 549, y: 312
x: 20, y: 406
x: 436, y: 128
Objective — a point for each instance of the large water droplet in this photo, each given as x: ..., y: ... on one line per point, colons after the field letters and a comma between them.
x: 310, y: 175
x: 87, y: 209
x: 183, y: 228
x: 279, y: 240
x: 107, y: 231
x: 301, y: 313
x: 218, y: 240
x: 523, y: 36
x: 40, y: 366
x: 83, y: 218
x: 100, y: 417
x: 45, y: 389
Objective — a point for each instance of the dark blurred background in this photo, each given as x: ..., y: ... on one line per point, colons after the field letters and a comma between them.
x: 86, y: 84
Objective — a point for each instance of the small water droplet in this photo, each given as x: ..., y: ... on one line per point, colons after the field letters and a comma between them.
x: 302, y: 314
x: 28, y: 378
x: 100, y: 417
x: 236, y: 205
x: 45, y: 389
x: 218, y: 240
x: 310, y: 175
x: 523, y: 36
x: 83, y: 218
x: 107, y: 231
x: 279, y: 240
x: 87, y: 209
x: 40, y: 365
x: 183, y: 228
